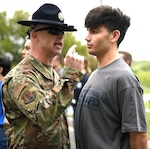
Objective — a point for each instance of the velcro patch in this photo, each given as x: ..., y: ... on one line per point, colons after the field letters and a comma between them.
x: 28, y: 96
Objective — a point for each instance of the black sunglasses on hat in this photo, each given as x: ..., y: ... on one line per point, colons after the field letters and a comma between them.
x: 51, y: 30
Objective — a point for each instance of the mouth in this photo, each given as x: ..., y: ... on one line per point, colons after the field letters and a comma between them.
x: 58, y: 43
x: 89, y: 46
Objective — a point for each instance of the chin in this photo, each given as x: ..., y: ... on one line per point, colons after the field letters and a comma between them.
x: 90, y: 51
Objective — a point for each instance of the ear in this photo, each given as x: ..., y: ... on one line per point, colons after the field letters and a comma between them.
x: 128, y: 62
x: 1, y: 70
x: 115, y: 35
x: 33, y: 34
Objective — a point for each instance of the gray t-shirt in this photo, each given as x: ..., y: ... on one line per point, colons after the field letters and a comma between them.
x: 109, y: 107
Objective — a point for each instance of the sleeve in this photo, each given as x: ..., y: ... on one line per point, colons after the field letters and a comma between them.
x: 132, y: 110
x: 43, y: 105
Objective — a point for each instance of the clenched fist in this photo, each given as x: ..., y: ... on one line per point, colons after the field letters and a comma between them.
x: 73, y: 59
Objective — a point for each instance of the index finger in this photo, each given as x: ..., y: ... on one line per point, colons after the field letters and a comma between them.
x: 71, y: 50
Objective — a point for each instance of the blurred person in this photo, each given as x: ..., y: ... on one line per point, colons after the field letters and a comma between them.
x: 34, y: 96
x: 110, y: 112
x: 57, y: 64
x: 5, y: 66
x: 79, y: 85
x: 126, y: 56
x: 26, y: 48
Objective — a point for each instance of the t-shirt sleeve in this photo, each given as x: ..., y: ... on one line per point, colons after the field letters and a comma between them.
x: 132, y: 110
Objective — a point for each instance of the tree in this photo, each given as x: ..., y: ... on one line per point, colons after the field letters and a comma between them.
x: 12, y: 35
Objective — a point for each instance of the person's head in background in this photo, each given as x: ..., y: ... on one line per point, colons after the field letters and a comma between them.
x: 126, y: 56
x: 87, y: 69
x: 26, y: 48
x: 5, y: 66
x: 57, y: 63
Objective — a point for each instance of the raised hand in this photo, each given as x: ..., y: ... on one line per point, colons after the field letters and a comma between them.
x: 73, y: 59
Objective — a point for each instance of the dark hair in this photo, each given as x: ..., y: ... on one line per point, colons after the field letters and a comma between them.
x: 111, y: 18
x: 6, y: 64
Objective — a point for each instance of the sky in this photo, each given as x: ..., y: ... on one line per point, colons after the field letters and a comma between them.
x: 137, y: 39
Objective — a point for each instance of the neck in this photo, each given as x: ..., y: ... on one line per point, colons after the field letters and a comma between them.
x: 1, y: 77
x: 44, y: 59
x: 107, y: 58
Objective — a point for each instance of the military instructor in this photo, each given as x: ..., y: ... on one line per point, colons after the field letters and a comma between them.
x: 34, y: 96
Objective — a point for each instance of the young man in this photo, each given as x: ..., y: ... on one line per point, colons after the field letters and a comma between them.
x: 110, y: 113
x: 5, y: 66
x: 34, y: 96
x: 26, y: 48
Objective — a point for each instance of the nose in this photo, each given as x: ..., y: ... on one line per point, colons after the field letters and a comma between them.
x: 87, y: 38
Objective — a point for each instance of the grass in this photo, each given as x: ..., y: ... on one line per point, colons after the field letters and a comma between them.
x: 146, y: 89
x: 147, y: 105
x: 148, y: 123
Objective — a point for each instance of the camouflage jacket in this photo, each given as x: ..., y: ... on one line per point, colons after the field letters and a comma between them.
x: 35, y: 99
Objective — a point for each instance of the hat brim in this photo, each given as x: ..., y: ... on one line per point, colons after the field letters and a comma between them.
x: 62, y: 26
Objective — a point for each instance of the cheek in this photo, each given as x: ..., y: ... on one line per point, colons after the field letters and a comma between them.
x: 99, y: 42
x: 48, y: 42
x: 103, y: 41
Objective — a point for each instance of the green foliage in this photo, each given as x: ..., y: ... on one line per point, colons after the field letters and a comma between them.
x: 141, y: 65
x: 148, y: 123
x: 69, y: 41
x: 81, y: 49
x: 142, y: 71
x: 144, y: 77
x: 12, y: 35
x: 147, y: 104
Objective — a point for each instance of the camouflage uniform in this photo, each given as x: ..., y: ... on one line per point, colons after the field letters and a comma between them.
x: 35, y: 99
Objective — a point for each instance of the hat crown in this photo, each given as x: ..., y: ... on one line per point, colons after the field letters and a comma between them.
x: 48, y: 12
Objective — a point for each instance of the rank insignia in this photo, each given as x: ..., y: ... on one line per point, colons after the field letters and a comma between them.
x: 28, y: 96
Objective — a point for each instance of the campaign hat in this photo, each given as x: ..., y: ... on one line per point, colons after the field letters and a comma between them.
x: 48, y: 14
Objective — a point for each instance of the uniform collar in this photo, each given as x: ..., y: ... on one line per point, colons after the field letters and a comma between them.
x: 45, y: 70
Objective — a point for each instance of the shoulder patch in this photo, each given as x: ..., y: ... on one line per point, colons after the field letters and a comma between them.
x: 28, y: 96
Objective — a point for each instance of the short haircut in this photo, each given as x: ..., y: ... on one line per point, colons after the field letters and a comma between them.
x: 6, y: 64
x: 111, y: 18
x: 126, y: 56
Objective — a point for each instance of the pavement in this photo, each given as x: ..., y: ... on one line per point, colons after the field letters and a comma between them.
x: 71, y: 133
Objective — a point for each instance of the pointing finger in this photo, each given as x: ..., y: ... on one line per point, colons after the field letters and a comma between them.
x: 72, y: 50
